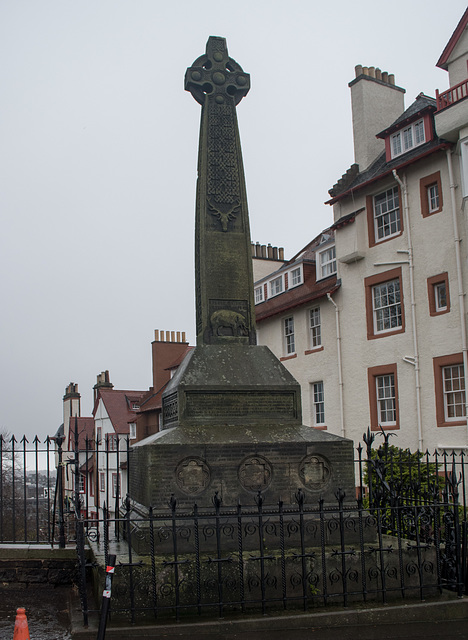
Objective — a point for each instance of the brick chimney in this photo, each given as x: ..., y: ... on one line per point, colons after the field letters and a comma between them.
x: 376, y: 102
x: 167, y: 347
x: 103, y: 382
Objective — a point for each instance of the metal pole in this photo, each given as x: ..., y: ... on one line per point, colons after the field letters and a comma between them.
x: 106, y: 596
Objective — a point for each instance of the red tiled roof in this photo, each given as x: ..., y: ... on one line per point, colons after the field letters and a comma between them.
x: 85, y: 427
x: 118, y: 405
x: 152, y: 400
x: 179, y: 360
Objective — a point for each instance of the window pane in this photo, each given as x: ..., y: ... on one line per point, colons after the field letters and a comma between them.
x: 315, y: 328
x: 440, y: 296
x: 387, y: 306
x: 318, y: 401
x: 387, y: 214
x: 419, y: 132
x: 290, y: 346
x: 327, y: 260
x: 433, y: 197
x: 295, y: 277
x: 454, y: 391
x: 386, y: 399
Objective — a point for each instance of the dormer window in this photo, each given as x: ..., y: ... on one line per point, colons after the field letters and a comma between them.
x: 259, y: 294
x: 326, y: 263
x: 276, y: 286
x: 295, y: 277
x: 407, y: 138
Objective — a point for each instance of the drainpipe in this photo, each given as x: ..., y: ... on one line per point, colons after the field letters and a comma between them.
x: 461, y: 294
x: 404, y: 190
x: 340, y: 367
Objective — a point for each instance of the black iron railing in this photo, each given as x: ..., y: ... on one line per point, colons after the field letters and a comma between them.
x: 403, y: 535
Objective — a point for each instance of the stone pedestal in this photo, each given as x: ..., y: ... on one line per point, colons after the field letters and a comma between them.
x: 232, y: 424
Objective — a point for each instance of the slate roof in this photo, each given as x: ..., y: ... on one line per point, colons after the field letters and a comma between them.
x: 118, y: 404
x: 380, y: 167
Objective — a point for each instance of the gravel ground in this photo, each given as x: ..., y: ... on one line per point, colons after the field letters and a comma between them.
x: 46, y: 611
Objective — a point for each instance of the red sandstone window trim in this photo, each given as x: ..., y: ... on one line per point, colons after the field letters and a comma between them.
x: 432, y: 282
x: 424, y: 185
x: 373, y: 241
x: 439, y: 363
x: 372, y: 374
x: 369, y: 283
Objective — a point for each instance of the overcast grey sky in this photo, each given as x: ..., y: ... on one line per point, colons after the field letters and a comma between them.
x: 98, y: 152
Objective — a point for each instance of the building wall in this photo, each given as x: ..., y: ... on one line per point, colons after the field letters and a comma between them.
x: 433, y: 254
x: 309, y: 364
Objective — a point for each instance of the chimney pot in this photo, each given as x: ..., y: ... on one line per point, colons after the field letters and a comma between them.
x: 281, y: 253
x: 372, y: 72
x: 378, y: 73
x: 391, y: 78
x: 183, y: 336
x: 172, y: 336
x: 178, y: 336
x: 156, y: 335
x: 384, y: 76
x: 358, y: 70
x: 365, y: 71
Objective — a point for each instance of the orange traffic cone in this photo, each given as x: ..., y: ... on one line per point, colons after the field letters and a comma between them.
x: 21, y: 631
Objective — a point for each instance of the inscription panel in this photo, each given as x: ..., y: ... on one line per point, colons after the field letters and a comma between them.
x: 240, y: 404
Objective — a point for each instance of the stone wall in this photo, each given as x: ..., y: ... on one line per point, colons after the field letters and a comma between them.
x: 37, y: 564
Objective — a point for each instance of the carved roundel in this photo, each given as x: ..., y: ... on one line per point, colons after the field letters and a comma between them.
x: 255, y: 474
x: 192, y: 475
x: 314, y: 472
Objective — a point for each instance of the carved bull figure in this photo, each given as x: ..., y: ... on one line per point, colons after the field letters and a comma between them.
x: 224, y: 318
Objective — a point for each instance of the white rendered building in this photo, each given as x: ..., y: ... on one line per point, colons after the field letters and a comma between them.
x: 392, y: 271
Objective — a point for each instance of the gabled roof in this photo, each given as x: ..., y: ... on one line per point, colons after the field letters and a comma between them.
x: 442, y: 62
x: 85, y: 429
x: 118, y: 404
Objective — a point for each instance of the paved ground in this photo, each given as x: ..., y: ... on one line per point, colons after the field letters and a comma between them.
x: 46, y: 611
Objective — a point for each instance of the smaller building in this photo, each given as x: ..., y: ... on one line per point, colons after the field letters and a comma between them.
x: 292, y: 304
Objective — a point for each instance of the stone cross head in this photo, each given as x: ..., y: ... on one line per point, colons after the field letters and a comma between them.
x: 215, y: 73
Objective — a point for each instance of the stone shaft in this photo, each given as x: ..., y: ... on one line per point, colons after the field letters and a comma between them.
x: 223, y: 264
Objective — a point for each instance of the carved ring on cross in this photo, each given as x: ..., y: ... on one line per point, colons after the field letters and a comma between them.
x: 215, y: 73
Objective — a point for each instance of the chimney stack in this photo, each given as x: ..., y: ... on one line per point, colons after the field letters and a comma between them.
x: 167, y: 348
x: 103, y: 382
x: 376, y: 102
x: 71, y: 404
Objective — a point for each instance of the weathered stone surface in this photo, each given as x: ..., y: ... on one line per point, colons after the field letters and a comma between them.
x: 284, y: 454
x: 230, y: 385
x: 232, y: 413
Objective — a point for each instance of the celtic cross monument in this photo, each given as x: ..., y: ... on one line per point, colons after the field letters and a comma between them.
x: 231, y: 415
x: 223, y: 264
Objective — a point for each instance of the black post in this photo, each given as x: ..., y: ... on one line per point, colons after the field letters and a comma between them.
x: 106, y: 596
x: 59, y: 493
